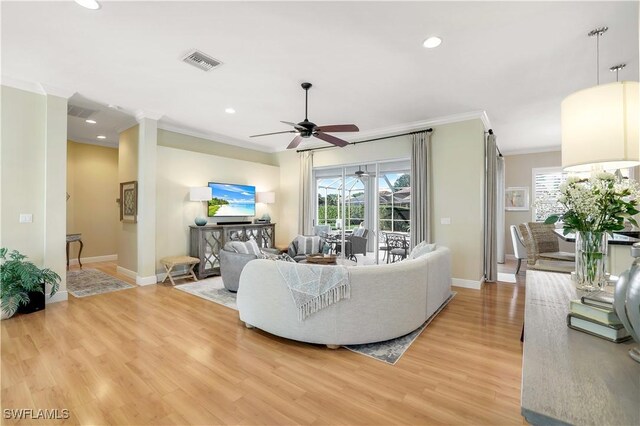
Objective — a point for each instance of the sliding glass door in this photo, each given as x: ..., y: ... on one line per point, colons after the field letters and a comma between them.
x: 371, y: 199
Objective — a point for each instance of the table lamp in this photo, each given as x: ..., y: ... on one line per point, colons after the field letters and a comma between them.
x: 266, y: 198
x: 200, y: 193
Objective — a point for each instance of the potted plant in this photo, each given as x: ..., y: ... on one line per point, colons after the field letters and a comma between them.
x: 23, y: 284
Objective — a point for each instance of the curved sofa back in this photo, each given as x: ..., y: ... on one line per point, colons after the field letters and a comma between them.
x: 387, y: 301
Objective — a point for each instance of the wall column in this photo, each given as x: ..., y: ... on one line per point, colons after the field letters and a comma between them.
x: 147, y: 154
x: 55, y: 184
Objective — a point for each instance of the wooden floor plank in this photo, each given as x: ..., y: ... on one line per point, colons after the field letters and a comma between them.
x: 156, y: 355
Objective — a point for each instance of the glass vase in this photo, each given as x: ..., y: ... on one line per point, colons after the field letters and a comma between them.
x: 591, y: 258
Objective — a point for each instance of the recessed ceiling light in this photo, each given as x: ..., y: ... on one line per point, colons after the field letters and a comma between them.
x: 230, y: 111
x: 432, y: 42
x: 101, y: 137
x: 90, y: 121
x: 89, y: 4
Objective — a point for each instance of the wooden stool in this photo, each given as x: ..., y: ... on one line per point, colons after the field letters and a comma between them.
x: 173, y: 261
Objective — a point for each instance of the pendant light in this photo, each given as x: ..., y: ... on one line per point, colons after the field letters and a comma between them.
x: 600, y: 124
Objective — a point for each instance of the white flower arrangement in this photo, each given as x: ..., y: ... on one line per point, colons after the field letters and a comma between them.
x: 599, y: 204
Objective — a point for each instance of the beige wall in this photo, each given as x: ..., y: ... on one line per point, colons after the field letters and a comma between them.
x: 518, y: 172
x: 92, y: 183
x: 458, y: 179
x: 33, y: 174
x: 458, y: 172
x: 178, y: 170
x: 206, y: 146
x: 128, y: 171
x: 23, y: 173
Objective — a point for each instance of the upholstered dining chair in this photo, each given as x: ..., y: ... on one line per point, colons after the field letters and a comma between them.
x: 534, y: 258
x: 519, y: 248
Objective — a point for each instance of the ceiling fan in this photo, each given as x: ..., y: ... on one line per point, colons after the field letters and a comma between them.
x: 306, y: 129
x: 360, y: 173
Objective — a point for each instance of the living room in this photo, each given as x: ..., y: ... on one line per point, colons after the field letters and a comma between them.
x: 154, y: 354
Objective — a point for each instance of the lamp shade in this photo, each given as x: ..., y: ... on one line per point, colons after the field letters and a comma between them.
x: 200, y: 193
x: 266, y: 197
x: 600, y: 127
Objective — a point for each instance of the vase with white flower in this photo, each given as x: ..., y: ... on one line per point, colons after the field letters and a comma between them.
x: 594, y: 208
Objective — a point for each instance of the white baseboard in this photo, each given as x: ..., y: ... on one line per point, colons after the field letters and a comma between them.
x: 459, y: 282
x: 126, y: 272
x: 94, y: 259
x: 151, y: 279
x: 60, y: 296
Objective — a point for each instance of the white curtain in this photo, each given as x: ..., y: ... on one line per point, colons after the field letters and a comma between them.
x: 420, y: 215
x: 491, y: 207
x: 500, y: 208
x: 306, y: 213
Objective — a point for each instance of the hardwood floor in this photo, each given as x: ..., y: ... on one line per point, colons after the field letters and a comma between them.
x: 156, y: 355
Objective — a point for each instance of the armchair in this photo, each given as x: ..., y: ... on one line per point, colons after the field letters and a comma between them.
x: 355, y: 243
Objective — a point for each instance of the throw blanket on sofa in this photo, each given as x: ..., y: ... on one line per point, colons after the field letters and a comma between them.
x: 314, y: 287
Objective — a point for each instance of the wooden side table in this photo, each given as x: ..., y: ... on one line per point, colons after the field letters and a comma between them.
x: 171, y: 262
x: 73, y: 238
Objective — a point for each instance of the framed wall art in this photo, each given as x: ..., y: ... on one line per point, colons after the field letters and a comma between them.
x: 129, y: 201
x: 516, y: 198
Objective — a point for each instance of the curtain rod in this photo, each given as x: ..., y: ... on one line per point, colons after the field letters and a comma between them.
x: 490, y: 131
x: 429, y: 130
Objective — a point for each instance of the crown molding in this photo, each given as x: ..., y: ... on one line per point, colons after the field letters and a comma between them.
x: 525, y: 151
x: 27, y: 86
x: 151, y: 115
x: 421, y: 125
x: 35, y: 87
x: 105, y: 144
x: 214, y: 137
x: 57, y: 91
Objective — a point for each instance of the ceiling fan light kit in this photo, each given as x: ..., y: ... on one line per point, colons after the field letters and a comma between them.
x: 305, y: 129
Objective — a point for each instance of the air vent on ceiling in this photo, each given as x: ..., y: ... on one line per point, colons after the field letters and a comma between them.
x: 76, y: 111
x: 202, y: 61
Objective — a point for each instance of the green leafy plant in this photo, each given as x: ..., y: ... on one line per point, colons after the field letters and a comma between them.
x: 599, y: 204
x: 18, y: 277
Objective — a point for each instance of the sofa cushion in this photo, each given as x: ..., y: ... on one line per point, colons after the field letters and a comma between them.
x: 421, y: 249
x: 246, y: 247
x: 308, y: 244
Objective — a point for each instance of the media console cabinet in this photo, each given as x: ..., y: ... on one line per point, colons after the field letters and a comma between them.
x: 208, y: 240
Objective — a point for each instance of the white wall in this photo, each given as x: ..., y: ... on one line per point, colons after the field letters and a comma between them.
x: 178, y: 170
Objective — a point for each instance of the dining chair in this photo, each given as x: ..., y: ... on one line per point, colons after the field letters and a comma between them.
x: 398, y: 247
x: 519, y: 248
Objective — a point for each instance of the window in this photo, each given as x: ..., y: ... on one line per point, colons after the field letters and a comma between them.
x: 546, y: 182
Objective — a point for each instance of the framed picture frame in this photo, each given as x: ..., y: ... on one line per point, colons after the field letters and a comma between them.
x: 129, y: 201
x: 516, y: 198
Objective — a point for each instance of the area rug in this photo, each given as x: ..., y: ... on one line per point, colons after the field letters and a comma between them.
x: 390, y: 351
x: 211, y: 289
x: 89, y: 282
x: 506, y: 278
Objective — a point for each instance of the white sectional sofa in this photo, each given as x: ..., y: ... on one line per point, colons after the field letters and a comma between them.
x: 387, y: 301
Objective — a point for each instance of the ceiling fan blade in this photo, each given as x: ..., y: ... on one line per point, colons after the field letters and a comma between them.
x: 295, y: 142
x: 274, y: 133
x: 297, y: 126
x: 338, y: 128
x: 331, y: 139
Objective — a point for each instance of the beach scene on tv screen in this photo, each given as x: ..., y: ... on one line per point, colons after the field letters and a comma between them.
x: 232, y: 200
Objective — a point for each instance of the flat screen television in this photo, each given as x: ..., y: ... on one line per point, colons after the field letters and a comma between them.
x: 231, y: 200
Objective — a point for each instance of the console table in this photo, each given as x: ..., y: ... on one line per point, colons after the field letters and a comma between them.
x: 570, y: 377
x: 208, y: 240
x: 73, y: 238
